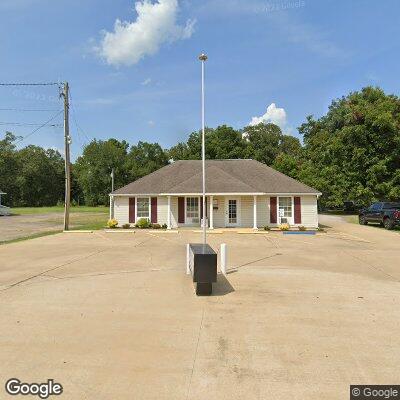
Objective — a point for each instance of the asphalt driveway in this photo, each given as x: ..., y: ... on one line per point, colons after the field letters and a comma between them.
x: 115, y: 316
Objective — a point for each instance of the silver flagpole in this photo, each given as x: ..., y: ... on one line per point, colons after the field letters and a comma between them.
x: 203, y: 59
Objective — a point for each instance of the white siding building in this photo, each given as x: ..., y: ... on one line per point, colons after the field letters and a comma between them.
x: 239, y: 193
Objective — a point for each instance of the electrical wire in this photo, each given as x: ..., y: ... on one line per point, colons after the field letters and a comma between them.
x: 27, y: 110
x: 30, y: 84
x: 24, y: 124
x: 74, y: 118
x: 40, y: 127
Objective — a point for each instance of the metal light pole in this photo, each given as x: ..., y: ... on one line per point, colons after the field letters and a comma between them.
x: 111, y: 197
x: 203, y: 59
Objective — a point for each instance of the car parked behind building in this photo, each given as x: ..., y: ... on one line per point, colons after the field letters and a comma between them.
x: 386, y: 214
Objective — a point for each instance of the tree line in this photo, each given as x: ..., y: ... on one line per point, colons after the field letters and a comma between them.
x: 351, y: 153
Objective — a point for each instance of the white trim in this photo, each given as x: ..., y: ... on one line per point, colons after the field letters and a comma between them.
x: 216, y: 194
x: 255, y: 212
x: 209, y: 194
x: 169, y: 213
x: 211, y: 198
x: 291, y: 221
x: 138, y: 195
x: 238, y: 211
x: 198, y: 211
x: 136, y: 208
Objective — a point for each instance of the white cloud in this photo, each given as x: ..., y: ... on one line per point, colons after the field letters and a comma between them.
x: 151, y: 123
x: 146, y: 82
x: 273, y: 114
x: 156, y: 24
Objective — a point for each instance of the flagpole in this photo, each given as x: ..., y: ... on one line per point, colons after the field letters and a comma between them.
x: 112, y: 197
x: 203, y: 59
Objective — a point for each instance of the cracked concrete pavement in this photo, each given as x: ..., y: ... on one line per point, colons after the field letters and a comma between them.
x: 115, y: 316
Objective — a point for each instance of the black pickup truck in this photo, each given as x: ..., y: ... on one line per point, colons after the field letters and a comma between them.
x: 385, y: 213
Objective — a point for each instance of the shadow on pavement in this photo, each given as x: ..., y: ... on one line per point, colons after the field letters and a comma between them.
x: 222, y: 287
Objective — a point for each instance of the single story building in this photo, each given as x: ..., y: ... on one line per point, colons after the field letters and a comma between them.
x: 240, y: 193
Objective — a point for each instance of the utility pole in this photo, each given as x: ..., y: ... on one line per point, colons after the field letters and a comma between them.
x: 67, y: 142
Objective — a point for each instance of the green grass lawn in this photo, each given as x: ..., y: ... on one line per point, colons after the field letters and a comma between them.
x: 90, y: 218
x: 81, y: 218
x: 57, y: 209
x: 90, y: 222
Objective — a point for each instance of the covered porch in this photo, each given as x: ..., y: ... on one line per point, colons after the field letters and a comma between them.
x: 230, y: 210
x: 222, y: 211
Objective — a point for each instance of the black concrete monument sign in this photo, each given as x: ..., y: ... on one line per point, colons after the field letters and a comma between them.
x: 203, y: 267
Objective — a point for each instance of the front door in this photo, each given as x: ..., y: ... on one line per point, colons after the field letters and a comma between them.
x: 232, y: 211
x: 285, y: 210
x: 192, y: 211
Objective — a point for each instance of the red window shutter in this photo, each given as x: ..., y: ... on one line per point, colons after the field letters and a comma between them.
x: 181, y: 210
x: 154, y: 210
x: 272, y: 210
x: 131, y: 210
x: 297, y: 210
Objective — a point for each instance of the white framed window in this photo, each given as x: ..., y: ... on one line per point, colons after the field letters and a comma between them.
x: 285, y: 209
x: 192, y: 210
x: 142, y: 207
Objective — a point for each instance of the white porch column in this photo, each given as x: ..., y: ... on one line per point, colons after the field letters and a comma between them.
x: 211, y: 213
x: 169, y: 213
x: 255, y: 212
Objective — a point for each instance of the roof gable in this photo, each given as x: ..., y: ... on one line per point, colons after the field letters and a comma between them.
x: 218, y: 178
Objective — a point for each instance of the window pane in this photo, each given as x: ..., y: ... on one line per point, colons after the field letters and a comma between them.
x: 285, y: 204
x: 143, y: 206
x: 391, y: 205
x: 232, y: 211
x: 192, y: 207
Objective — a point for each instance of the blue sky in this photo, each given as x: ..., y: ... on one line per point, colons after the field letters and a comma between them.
x: 142, y: 82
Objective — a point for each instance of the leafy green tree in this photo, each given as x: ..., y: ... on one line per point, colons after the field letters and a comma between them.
x: 178, y: 152
x: 9, y: 169
x: 93, y: 168
x: 40, y: 177
x: 145, y: 158
x: 223, y: 142
x: 353, y: 152
x: 287, y: 164
x: 290, y: 145
x: 265, y: 142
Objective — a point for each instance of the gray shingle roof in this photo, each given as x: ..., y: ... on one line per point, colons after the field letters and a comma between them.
x: 222, y: 176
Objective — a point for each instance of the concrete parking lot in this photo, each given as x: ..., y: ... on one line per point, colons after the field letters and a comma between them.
x: 113, y: 316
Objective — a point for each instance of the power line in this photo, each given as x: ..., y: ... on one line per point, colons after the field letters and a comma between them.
x: 27, y: 110
x: 40, y: 127
x: 74, y: 119
x: 31, y: 84
x: 24, y: 124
